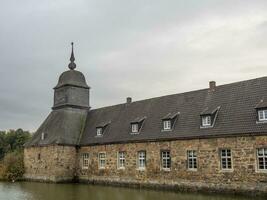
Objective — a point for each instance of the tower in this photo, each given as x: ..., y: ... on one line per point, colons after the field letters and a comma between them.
x: 51, y: 154
x: 72, y: 89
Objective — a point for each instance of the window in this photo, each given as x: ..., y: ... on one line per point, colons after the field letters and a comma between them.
x: 226, y: 159
x: 141, y: 159
x: 102, y: 160
x: 85, y: 160
x: 262, y: 115
x: 39, y: 156
x: 165, y: 160
x: 121, y: 160
x: 262, y: 158
x: 167, y: 125
x: 206, y: 121
x: 42, y: 136
x: 134, y: 128
x: 99, y: 131
x: 192, y: 159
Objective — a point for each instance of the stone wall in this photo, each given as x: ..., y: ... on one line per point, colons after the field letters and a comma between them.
x: 243, y: 177
x: 50, y: 163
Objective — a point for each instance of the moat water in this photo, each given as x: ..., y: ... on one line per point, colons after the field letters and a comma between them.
x: 43, y: 191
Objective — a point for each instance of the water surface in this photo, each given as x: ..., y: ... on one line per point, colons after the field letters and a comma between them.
x: 45, y: 191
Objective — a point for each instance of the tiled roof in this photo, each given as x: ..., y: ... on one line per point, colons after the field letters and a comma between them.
x: 237, y: 114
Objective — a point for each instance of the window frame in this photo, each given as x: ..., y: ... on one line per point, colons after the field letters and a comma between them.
x: 101, y: 159
x: 99, y: 131
x: 192, y: 163
x: 264, y: 115
x: 167, y: 124
x: 165, y: 160
x: 42, y: 136
x: 121, y: 161
x: 85, y: 160
x: 134, y: 128
x: 264, y: 157
x: 141, y: 159
x: 206, y: 121
x: 226, y: 158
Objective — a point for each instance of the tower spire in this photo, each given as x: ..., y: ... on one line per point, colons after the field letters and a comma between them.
x: 72, y: 65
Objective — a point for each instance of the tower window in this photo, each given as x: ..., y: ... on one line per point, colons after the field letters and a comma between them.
x: 39, y: 156
x: 42, y: 136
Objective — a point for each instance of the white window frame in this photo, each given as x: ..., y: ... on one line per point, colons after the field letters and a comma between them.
x: 226, y: 158
x: 206, y: 120
x: 121, y: 160
x: 263, y: 157
x: 166, y: 160
x: 167, y: 124
x: 141, y: 160
x: 262, y: 115
x: 102, y: 160
x: 192, y: 159
x: 42, y: 136
x: 85, y: 160
x: 99, y: 131
x: 135, y: 127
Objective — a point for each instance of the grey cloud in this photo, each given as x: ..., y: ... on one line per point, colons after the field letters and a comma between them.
x: 138, y: 48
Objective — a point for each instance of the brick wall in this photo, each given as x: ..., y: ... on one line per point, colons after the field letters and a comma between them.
x: 62, y: 163
x: 50, y: 163
x: 243, y: 176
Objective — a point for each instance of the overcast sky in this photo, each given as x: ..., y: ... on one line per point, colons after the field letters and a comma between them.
x: 135, y: 48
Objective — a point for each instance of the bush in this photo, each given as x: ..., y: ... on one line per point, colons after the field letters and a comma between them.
x: 13, y: 167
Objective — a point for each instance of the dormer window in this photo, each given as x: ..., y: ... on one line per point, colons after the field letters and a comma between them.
x: 136, y: 125
x: 101, y: 128
x: 167, y: 124
x: 262, y: 115
x: 208, y: 117
x: 206, y: 120
x: 99, y: 131
x: 169, y: 121
x: 42, y: 136
x: 261, y: 109
x: 135, y: 128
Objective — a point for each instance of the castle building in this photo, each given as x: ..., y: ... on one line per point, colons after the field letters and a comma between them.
x: 210, y: 139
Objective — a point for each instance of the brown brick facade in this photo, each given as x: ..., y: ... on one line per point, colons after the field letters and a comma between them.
x: 58, y: 163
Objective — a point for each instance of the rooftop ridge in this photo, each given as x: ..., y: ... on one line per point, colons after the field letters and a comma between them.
x: 182, y: 93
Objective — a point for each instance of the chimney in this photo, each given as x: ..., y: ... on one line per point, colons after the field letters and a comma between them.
x: 212, y: 85
x: 128, y: 100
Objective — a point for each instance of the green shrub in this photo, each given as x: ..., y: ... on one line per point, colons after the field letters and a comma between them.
x: 13, y: 167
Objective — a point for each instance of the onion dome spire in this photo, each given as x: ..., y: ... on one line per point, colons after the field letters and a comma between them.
x: 72, y: 65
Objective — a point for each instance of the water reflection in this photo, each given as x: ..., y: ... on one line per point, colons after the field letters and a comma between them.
x: 42, y: 191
